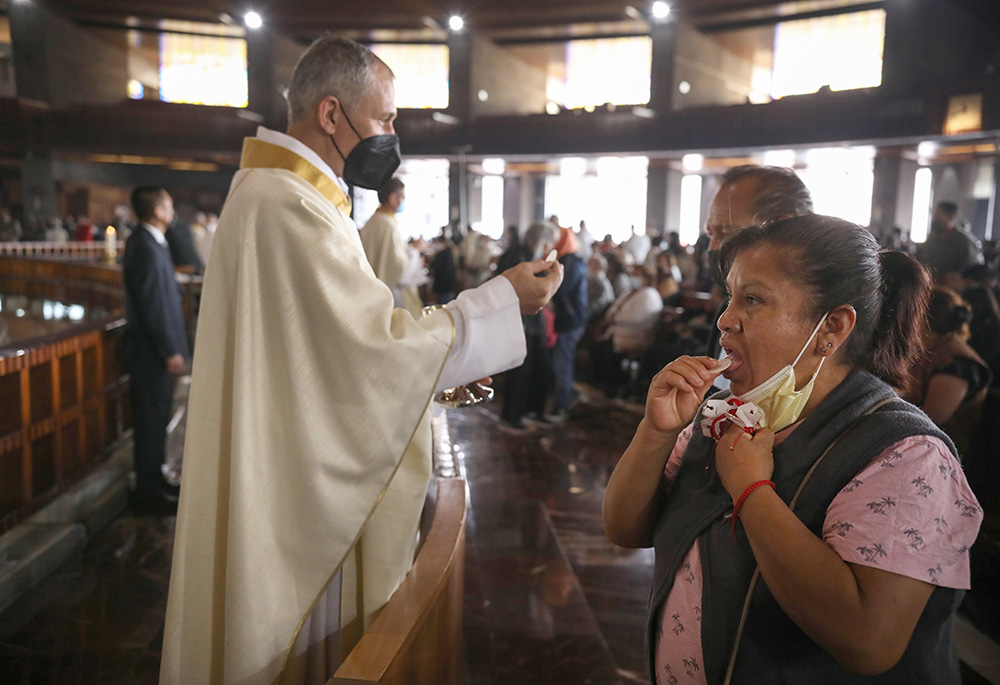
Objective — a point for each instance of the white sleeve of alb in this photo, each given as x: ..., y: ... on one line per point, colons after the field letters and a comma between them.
x: 413, y: 272
x: 489, y: 336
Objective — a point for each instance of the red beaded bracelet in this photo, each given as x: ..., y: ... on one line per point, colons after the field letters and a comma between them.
x: 746, y: 493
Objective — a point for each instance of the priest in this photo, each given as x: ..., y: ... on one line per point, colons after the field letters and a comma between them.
x: 308, y: 441
x: 395, y: 263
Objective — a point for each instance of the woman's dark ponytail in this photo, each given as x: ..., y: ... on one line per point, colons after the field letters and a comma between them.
x: 898, y: 339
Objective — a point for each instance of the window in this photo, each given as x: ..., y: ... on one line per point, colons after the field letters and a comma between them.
x: 790, y: 57
x: 189, y: 62
x: 842, y: 52
x: 426, y: 207
x: 609, y: 193
x: 602, y: 70
x: 421, y: 73
x: 6, y: 60
x: 492, y: 212
x: 841, y: 182
x: 690, y: 211
x: 921, y: 204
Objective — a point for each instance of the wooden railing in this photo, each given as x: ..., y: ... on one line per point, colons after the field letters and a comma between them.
x: 63, y: 397
x: 91, y: 251
x: 417, y: 638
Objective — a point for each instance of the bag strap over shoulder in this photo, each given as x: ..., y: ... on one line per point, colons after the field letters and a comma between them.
x: 791, y: 505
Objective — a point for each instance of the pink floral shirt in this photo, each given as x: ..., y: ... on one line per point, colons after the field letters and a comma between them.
x: 910, y: 511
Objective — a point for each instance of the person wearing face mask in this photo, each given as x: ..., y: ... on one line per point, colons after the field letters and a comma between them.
x: 748, y: 195
x: 309, y: 416
x: 394, y: 262
x: 823, y: 537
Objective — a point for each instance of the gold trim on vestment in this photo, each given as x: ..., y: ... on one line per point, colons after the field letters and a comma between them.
x: 353, y: 545
x: 259, y: 154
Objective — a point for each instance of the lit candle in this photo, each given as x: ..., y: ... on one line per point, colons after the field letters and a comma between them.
x: 110, y: 244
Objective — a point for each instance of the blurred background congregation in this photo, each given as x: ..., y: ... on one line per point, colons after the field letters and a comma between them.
x: 614, y: 133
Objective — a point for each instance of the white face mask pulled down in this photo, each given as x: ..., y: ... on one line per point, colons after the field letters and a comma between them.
x: 778, y: 400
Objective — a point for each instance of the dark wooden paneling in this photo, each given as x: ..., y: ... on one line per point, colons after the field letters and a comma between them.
x: 93, y: 434
x: 43, y: 465
x: 41, y: 392
x: 72, y: 459
x: 51, y: 436
x: 10, y: 391
x: 68, y: 395
x: 91, y: 373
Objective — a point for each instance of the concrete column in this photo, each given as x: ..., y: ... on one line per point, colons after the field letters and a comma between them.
x: 39, y: 187
x: 661, y: 85
x: 271, y: 59
x: 656, y: 195
x: 457, y: 194
x: 512, y: 201
x: 526, y: 203
x: 537, y: 198
x: 29, y: 23
x: 460, y: 74
x: 885, y: 190
x: 260, y: 75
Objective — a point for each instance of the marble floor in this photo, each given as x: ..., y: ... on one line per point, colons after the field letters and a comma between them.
x: 548, y: 600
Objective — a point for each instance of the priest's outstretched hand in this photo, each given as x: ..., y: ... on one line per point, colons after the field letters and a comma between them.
x: 535, y: 283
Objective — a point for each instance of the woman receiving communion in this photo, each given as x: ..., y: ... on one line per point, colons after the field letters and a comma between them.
x: 811, y: 527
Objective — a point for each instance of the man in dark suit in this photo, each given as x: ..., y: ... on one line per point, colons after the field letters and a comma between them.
x: 156, y: 343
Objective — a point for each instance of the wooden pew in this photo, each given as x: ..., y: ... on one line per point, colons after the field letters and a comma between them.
x: 417, y: 638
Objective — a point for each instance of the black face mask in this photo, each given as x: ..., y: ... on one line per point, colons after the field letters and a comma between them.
x: 373, y: 161
x: 715, y: 270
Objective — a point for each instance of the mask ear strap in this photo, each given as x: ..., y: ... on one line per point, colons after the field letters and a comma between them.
x: 811, y: 336
x: 338, y: 149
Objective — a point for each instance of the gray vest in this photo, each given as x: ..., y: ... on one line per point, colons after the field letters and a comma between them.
x: 773, y: 649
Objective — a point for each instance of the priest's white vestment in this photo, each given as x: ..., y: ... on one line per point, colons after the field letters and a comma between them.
x: 394, y: 262
x: 307, y: 453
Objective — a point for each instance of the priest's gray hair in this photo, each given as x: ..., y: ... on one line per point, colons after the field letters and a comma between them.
x: 331, y: 66
x: 539, y: 235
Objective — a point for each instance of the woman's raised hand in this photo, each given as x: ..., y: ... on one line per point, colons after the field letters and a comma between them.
x: 677, y: 391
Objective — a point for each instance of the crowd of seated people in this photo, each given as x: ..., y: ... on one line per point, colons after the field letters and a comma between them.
x: 190, y: 241
x: 644, y: 315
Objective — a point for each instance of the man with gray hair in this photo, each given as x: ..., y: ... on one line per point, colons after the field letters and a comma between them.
x: 748, y: 195
x: 308, y: 440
